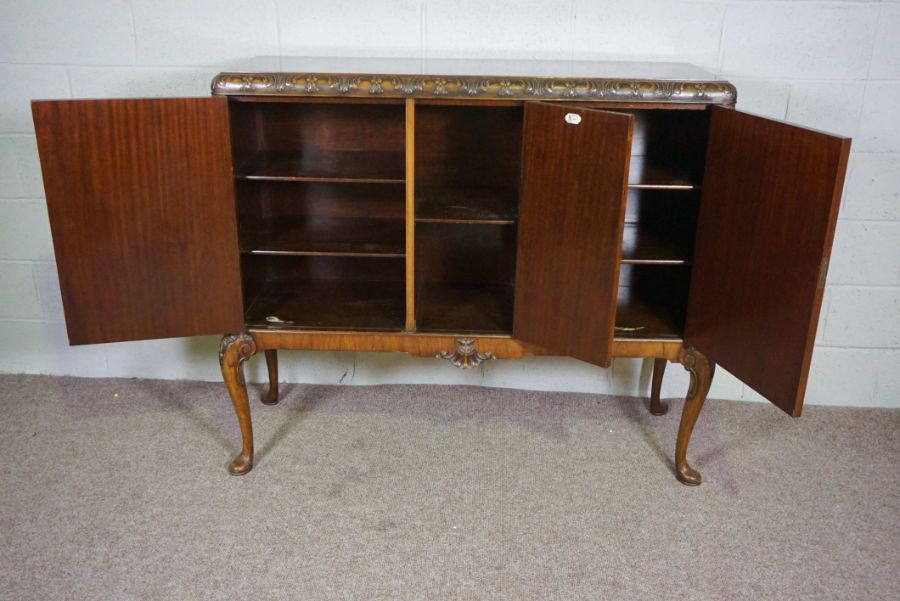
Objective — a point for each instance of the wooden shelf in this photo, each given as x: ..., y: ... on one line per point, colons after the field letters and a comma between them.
x: 645, y: 246
x: 330, y: 305
x: 459, y: 308
x: 639, y: 317
x: 466, y: 205
x: 325, y: 237
x: 371, y: 167
x: 645, y: 174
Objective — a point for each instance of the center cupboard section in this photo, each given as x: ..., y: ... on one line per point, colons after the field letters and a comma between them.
x: 467, y: 166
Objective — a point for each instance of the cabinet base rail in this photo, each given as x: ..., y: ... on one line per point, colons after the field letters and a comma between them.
x: 236, y: 349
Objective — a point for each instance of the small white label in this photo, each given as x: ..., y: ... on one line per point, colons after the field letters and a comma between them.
x: 573, y: 118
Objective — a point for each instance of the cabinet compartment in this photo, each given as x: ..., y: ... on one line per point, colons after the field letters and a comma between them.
x: 660, y: 227
x: 328, y: 293
x: 467, y: 163
x: 652, y: 301
x: 665, y: 179
x: 290, y: 218
x: 333, y: 142
x: 464, y: 277
x: 668, y: 148
x: 321, y: 213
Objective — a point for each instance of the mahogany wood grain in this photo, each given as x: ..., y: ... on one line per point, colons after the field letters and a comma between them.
x: 770, y: 199
x: 142, y: 211
x: 574, y: 184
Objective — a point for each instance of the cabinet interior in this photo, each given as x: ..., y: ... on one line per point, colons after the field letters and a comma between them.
x: 321, y: 213
x: 322, y: 204
x: 467, y: 164
x: 665, y: 176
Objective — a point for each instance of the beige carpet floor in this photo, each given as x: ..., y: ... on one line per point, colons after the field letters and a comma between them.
x: 117, y: 489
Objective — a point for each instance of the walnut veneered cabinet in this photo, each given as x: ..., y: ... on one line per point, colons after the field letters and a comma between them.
x: 593, y: 210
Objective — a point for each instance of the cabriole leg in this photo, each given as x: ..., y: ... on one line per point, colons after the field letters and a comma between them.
x: 657, y: 407
x: 272, y: 366
x: 701, y: 370
x: 234, y: 351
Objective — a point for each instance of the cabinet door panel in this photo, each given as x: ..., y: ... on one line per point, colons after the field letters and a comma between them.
x: 770, y: 200
x: 574, y: 184
x: 141, y: 202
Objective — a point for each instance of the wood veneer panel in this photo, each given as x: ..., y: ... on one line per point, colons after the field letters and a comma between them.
x: 141, y: 205
x: 574, y: 182
x: 770, y: 199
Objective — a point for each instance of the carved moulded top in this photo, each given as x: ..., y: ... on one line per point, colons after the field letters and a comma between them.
x: 419, y: 85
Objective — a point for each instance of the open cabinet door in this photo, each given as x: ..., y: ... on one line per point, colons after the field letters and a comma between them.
x: 141, y: 202
x: 768, y: 209
x: 574, y: 185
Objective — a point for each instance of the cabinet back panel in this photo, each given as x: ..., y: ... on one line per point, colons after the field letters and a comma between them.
x: 668, y: 144
x: 464, y: 277
x: 468, y: 146
x: 342, y: 127
x: 261, y: 199
x: 466, y: 254
x: 652, y: 301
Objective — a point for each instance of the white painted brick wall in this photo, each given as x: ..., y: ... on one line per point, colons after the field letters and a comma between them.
x: 830, y: 65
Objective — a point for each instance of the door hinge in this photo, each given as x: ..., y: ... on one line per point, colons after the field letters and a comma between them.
x: 823, y: 272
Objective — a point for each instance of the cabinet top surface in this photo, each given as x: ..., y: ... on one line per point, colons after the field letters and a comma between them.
x: 475, y: 78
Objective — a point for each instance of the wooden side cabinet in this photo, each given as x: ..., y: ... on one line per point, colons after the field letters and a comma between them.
x: 608, y: 210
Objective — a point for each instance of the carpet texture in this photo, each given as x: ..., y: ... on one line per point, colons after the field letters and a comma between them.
x: 117, y: 489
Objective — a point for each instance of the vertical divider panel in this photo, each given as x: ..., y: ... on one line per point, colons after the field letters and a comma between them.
x: 410, y: 215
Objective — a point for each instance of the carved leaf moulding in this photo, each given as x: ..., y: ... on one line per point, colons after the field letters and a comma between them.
x: 439, y: 86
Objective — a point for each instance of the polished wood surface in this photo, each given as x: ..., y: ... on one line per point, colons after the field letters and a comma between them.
x: 701, y: 370
x: 574, y: 182
x: 770, y: 199
x: 427, y: 345
x: 234, y: 351
x: 142, y: 212
x: 415, y: 344
x: 458, y: 218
